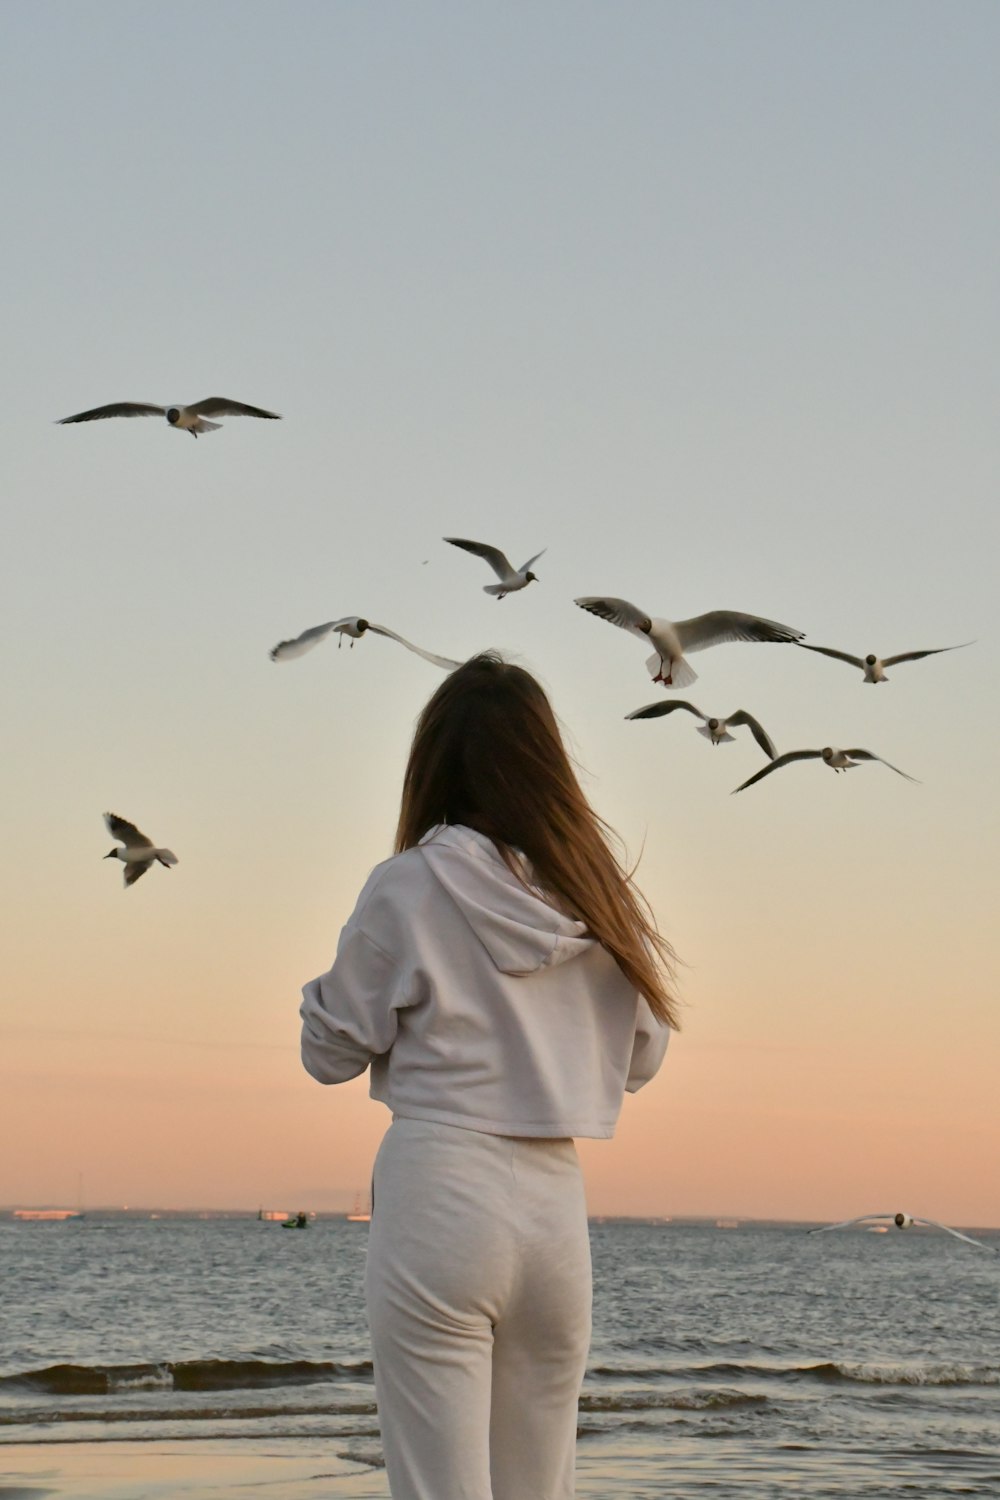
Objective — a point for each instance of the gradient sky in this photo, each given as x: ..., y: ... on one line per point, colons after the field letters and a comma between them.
x: 703, y: 299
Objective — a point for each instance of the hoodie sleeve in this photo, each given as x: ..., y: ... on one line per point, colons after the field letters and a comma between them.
x: 648, y: 1048
x: 349, y: 1015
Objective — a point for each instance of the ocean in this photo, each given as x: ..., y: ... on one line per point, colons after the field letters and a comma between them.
x: 751, y: 1362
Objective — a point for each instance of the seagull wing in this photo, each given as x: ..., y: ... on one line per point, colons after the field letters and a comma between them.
x: 618, y: 612
x: 845, y: 1223
x: 868, y: 755
x: 890, y: 661
x: 126, y: 832
x: 437, y: 661
x: 760, y: 734
x: 534, y: 559
x: 221, y: 406
x: 287, y: 650
x: 854, y: 661
x: 665, y: 706
x: 496, y: 559
x: 134, y: 872
x: 722, y: 625
x: 116, y: 409
x: 781, y: 760
x: 957, y: 1232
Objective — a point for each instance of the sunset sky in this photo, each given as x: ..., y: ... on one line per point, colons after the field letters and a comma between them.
x: 701, y: 298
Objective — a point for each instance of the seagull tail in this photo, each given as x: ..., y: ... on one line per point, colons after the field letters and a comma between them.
x: 682, y: 673
x: 203, y: 425
x: 166, y: 857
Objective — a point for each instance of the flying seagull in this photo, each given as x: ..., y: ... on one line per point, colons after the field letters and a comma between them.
x: 511, y: 579
x: 904, y: 1221
x: 185, y: 418
x: 672, y: 638
x: 716, y: 730
x: 137, y: 852
x: 874, y: 666
x: 837, y: 760
x: 354, y: 627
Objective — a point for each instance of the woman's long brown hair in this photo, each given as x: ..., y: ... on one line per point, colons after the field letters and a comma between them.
x: 487, y: 753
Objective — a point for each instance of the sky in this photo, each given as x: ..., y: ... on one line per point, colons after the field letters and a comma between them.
x: 701, y: 299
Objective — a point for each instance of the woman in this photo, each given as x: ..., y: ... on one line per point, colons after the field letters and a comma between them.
x: 505, y: 983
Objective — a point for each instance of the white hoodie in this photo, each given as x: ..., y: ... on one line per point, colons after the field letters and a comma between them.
x: 476, y: 1003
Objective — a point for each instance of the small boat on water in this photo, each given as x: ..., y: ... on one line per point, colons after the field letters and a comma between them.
x: 361, y: 1212
x: 273, y: 1215
x: 296, y: 1221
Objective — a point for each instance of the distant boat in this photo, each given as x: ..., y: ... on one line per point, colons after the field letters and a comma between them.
x: 296, y: 1221
x: 727, y: 1223
x: 273, y: 1215
x: 360, y: 1213
x: 48, y: 1215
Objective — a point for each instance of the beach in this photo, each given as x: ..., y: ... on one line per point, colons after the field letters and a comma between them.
x: 291, y: 1468
x: 300, y: 1469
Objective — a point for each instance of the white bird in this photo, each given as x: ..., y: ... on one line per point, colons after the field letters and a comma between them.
x: 511, y: 579
x: 137, y: 852
x: 716, y: 730
x: 185, y: 418
x: 354, y: 627
x: 837, y: 760
x: 874, y: 666
x: 904, y: 1221
x: 671, y: 638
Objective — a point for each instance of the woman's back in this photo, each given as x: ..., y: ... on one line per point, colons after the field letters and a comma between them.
x: 482, y: 1004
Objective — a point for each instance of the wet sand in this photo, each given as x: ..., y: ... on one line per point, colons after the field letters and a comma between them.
x: 292, y: 1469
x: 299, y: 1468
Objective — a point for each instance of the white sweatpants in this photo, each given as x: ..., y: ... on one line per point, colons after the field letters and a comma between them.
x: 479, y: 1289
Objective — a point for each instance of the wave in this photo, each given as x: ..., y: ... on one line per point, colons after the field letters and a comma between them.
x: 903, y: 1374
x: 848, y: 1371
x: 670, y: 1401
x: 209, y: 1412
x: 184, y: 1375
x: 263, y: 1374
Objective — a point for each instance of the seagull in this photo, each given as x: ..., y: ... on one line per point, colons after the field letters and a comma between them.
x: 137, y: 852
x: 673, y: 637
x: 354, y: 627
x: 904, y: 1221
x: 716, y: 730
x: 511, y: 579
x: 837, y: 760
x: 873, y: 666
x: 185, y: 418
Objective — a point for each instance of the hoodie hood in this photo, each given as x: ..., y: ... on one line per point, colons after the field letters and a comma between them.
x: 519, y: 929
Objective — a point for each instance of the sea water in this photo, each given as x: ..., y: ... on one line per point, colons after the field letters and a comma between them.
x: 742, y: 1362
